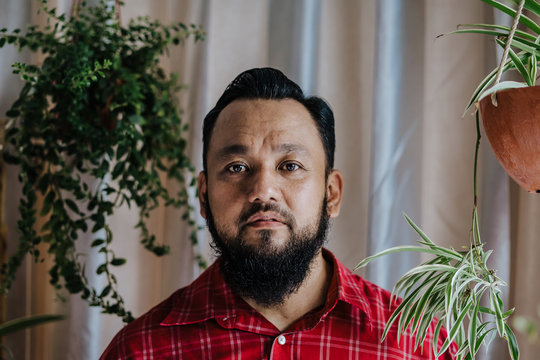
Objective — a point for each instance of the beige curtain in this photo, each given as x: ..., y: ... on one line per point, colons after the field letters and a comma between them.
x: 244, y: 34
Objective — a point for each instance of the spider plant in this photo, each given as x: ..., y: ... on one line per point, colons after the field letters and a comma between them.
x: 452, y: 285
x: 450, y: 288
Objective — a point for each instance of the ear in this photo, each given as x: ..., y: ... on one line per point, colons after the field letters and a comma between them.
x: 334, y: 193
x: 202, y: 190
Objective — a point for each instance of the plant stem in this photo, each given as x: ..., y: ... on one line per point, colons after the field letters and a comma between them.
x: 476, y: 228
x: 478, y: 137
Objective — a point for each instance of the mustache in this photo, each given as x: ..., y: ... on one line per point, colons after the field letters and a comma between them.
x: 267, y: 207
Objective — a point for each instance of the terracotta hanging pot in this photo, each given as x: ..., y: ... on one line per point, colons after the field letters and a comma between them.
x: 513, y: 131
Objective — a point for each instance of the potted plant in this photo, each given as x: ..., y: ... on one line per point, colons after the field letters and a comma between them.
x: 510, y: 114
x: 451, y: 286
x: 94, y: 126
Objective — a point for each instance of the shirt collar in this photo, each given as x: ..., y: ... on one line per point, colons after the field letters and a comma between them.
x: 346, y: 287
x: 209, y: 296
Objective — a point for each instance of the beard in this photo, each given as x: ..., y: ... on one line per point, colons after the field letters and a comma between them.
x: 268, y: 274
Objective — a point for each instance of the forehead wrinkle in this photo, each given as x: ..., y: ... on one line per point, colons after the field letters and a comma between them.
x: 239, y: 149
x: 291, y: 148
x: 234, y: 149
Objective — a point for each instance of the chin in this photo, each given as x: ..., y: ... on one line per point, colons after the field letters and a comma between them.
x: 266, y: 240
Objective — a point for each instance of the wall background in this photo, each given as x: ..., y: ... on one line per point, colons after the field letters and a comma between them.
x: 398, y: 94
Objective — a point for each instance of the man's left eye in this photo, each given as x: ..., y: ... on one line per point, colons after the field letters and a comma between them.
x: 290, y: 166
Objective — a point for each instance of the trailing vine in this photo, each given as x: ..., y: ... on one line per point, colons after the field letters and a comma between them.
x: 96, y: 126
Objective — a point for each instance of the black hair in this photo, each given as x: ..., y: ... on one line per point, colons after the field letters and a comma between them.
x: 272, y: 84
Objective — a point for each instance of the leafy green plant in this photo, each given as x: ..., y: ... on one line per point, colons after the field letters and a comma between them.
x: 96, y: 126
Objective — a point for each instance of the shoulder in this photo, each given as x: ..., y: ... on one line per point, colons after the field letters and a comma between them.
x: 134, y: 338
x: 151, y: 332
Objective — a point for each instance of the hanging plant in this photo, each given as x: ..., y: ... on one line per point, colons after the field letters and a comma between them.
x: 452, y: 285
x: 450, y: 288
x: 95, y: 127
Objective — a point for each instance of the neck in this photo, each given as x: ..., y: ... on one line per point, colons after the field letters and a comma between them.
x: 311, y: 295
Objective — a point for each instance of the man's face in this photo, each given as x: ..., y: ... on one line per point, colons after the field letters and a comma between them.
x: 265, y: 190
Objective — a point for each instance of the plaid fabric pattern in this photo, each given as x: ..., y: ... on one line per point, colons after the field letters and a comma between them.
x: 206, y: 320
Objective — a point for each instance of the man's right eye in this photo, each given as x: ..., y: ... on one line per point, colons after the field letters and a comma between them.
x: 237, y: 168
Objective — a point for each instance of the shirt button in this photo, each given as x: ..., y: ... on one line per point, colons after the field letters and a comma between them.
x: 281, y: 340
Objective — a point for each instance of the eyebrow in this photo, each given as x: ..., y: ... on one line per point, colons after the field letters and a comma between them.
x: 238, y: 149
x: 235, y: 149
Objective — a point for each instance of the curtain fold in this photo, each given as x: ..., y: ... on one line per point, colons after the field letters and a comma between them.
x: 398, y: 93
x: 395, y: 173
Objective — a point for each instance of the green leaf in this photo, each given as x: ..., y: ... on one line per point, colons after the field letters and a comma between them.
x: 421, y: 311
x: 105, y: 291
x: 71, y: 204
x: 502, y: 86
x: 397, y: 312
x: 457, y: 326
x: 532, y: 66
x: 101, y: 269
x: 97, y: 242
x: 485, y: 29
x: 12, y: 113
x: 473, y: 329
x: 47, y: 203
x: 118, y: 169
x: 118, y: 261
x: 26, y: 322
x: 137, y: 119
x: 418, y: 230
x: 431, y: 267
x: 422, y: 331
x: 488, y: 80
x: 397, y: 249
x: 463, y: 28
x: 436, y: 335
x: 530, y: 5
x: 513, y: 347
x: 518, y: 64
x: 406, y: 284
x: 508, y: 10
x: 496, y: 306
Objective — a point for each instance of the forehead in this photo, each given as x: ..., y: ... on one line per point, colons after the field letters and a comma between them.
x: 259, y: 122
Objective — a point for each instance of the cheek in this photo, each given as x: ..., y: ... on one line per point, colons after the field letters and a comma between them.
x: 305, y: 201
x: 225, y: 203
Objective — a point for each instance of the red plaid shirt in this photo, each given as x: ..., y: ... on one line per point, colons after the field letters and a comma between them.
x: 206, y: 320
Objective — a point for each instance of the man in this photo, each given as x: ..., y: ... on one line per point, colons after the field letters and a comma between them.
x: 267, y: 192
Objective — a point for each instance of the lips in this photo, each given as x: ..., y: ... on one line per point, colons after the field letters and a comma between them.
x: 265, y: 218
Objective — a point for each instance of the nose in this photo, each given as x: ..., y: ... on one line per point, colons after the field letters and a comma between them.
x: 264, y: 186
